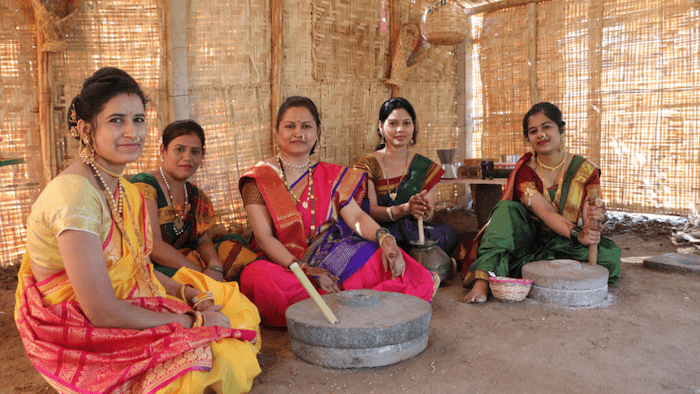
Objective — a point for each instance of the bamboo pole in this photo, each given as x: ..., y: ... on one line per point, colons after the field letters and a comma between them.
x: 395, y: 24
x: 313, y: 293
x: 532, y: 52
x: 46, y: 131
x: 277, y: 49
x: 595, y: 56
x: 503, y: 4
x: 593, y: 249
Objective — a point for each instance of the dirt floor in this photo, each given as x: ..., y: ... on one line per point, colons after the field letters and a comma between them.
x: 643, y: 339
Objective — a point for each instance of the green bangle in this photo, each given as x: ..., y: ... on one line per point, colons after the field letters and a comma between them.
x: 575, y: 232
x: 379, y: 232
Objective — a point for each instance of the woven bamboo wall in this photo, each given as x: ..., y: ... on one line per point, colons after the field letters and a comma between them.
x: 19, y: 184
x: 121, y: 33
x: 624, y: 72
x: 229, y: 80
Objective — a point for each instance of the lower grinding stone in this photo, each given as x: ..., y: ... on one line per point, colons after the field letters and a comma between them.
x: 374, y: 329
x: 567, y: 282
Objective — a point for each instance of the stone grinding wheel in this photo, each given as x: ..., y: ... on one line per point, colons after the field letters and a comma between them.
x: 567, y: 282
x: 375, y: 328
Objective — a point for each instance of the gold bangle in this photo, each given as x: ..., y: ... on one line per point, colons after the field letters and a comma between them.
x: 182, y: 293
x: 383, y: 237
x: 206, y: 295
x: 390, y: 213
x: 197, y: 318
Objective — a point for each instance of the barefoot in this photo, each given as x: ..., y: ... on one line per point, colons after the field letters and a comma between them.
x: 478, y: 293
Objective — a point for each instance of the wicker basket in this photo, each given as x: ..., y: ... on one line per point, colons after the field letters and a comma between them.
x: 444, y: 24
x: 509, y: 289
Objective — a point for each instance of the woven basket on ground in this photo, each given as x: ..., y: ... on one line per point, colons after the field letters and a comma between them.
x: 509, y: 289
x: 444, y: 23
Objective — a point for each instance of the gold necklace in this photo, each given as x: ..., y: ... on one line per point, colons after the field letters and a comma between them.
x: 179, y: 223
x: 551, y: 168
x: 304, y: 204
x: 557, y: 195
x: 392, y: 195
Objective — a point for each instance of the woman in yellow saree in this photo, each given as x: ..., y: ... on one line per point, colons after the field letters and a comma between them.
x: 93, y: 315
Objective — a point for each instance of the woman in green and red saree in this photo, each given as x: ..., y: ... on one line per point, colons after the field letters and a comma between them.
x: 402, y: 183
x: 183, y: 214
x: 544, y: 213
x: 93, y: 315
x: 306, y: 211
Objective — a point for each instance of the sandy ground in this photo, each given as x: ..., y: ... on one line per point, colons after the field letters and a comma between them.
x: 643, y: 339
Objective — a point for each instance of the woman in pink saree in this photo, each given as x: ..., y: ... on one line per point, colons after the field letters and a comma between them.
x: 307, y: 211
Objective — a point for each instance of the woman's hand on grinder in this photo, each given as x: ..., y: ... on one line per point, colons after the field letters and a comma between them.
x: 418, y: 205
x: 326, y: 281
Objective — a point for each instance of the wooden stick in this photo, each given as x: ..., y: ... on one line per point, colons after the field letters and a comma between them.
x: 313, y: 293
x: 593, y: 249
x: 421, y: 234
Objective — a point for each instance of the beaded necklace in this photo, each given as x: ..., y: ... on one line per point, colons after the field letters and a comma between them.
x: 116, y: 201
x: 118, y: 219
x: 179, y: 223
x: 392, y: 195
x: 292, y: 165
x: 304, y: 204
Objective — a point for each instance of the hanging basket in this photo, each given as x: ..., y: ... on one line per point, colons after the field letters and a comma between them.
x: 444, y: 23
x: 55, y: 19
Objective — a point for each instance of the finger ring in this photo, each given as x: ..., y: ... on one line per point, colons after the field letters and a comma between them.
x: 599, y: 202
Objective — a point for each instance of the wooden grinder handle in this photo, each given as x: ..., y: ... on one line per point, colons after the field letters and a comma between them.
x: 593, y: 249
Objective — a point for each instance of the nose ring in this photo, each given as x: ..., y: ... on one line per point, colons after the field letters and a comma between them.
x: 137, y: 139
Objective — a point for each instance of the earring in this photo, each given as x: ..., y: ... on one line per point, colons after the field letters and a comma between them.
x: 87, y: 154
x: 562, y: 143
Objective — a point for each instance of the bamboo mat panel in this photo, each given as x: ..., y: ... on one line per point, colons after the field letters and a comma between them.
x: 126, y: 34
x: 651, y: 112
x: 229, y: 79
x: 19, y: 185
x: 625, y: 74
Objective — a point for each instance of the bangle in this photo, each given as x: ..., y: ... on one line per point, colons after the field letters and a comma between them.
x: 201, y: 297
x: 575, y: 232
x: 182, y: 293
x: 379, y: 233
x: 383, y: 237
x: 216, y: 268
x: 390, y: 213
x: 197, y: 318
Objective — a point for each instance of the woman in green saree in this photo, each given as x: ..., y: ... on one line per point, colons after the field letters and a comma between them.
x: 182, y: 214
x: 401, y: 185
x: 545, y: 212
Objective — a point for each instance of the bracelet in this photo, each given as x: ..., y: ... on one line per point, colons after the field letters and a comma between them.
x: 390, y: 213
x: 182, y: 293
x: 215, y: 268
x: 575, y: 232
x: 201, y: 297
x: 383, y: 237
x: 197, y: 318
x: 378, y: 234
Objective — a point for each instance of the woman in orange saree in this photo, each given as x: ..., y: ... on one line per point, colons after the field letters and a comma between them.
x: 308, y: 211
x: 93, y: 315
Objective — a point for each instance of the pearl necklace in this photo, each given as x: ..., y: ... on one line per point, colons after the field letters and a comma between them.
x: 392, y: 195
x: 116, y: 201
x: 552, y: 168
x: 292, y: 165
x: 118, y: 219
x: 179, y: 223
x: 304, y: 204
